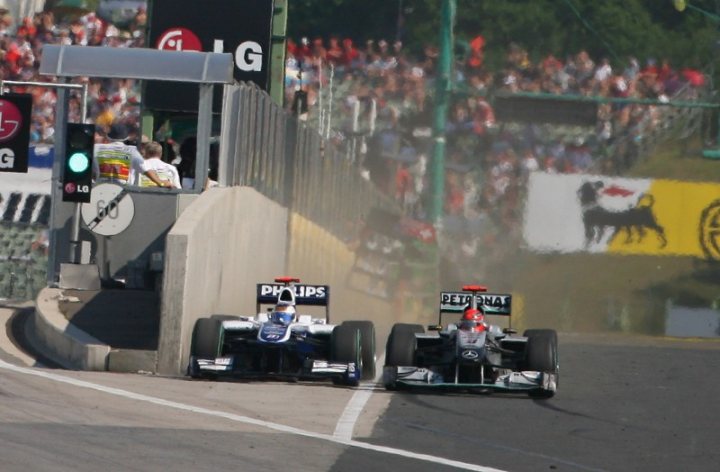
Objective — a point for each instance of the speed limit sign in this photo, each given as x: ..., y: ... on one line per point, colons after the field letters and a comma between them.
x: 110, y: 211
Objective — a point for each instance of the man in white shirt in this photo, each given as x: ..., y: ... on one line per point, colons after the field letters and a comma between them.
x: 120, y: 163
x: 163, y: 170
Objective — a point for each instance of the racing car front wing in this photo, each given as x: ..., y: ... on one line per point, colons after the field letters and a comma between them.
x: 522, y: 381
x: 311, y: 369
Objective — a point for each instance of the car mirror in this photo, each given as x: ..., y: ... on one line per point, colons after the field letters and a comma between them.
x: 509, y: 331
x: 434, y: 327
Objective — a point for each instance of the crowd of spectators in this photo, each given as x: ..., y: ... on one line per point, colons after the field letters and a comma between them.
x: 109, y: 100
x: 389, y: 91
x: 487, y: 162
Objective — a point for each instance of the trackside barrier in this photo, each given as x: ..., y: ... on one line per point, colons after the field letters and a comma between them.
x: 288, y: 161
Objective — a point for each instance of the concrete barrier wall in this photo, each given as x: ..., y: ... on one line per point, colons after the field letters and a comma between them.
x: 57, y: 338
x: 225, y: 242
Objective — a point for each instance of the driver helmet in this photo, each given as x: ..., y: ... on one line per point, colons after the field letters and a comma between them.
x: 283, y: 314
x: 472, y: 320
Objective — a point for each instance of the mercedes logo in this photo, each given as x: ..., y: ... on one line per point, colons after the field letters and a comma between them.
x: 469, y: 354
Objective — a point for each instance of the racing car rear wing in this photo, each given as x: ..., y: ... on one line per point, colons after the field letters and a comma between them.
x: 315, y: 295
x: 489, y: 303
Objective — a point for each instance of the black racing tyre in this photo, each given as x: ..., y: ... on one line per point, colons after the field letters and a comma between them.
x: 206, y: 338
x: 367, y: 346
x: 541, y: 354
x: 345, y: 347
x: 401, y: 344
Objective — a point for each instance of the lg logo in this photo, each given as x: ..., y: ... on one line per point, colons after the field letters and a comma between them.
x: 70, y: 187
x: 10, y: 120
x: 248, y: 55
x: 7, y: 158
x: 179, y: 39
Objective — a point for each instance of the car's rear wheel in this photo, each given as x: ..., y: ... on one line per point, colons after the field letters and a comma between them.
x: 206, y: 341
x: 345, y: 347
x: 541, y: 354
x: 367, y: 346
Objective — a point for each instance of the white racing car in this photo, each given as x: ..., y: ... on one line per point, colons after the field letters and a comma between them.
x: 280, y: 343
x: 471, y: 354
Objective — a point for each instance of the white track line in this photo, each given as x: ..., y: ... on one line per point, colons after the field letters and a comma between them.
x: 245, y: 419
x: 346, y: 423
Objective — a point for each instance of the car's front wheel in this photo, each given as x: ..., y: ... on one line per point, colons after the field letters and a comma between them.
x: 367, y: 346
x: 345, y: 347
x: 205, y: 342
x: 541, y: 355
x: 400, y: 349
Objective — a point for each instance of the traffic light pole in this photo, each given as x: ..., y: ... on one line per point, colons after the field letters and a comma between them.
x: 75, y: 235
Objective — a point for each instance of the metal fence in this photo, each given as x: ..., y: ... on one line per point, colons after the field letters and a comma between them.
x: 657, y: 126
x: 287, y: 160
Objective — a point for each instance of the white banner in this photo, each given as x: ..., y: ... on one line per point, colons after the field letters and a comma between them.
x: 556, y: 213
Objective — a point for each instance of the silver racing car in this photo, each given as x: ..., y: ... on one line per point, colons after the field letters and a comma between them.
x: 472, y: 354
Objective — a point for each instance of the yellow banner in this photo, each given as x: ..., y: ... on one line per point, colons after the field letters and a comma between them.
x: 671, y: 218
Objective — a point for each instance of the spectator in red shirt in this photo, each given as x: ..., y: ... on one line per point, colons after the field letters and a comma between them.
x: 477, y: 53
x: 335, y: 52
x: 27, y: 28
x: 351, y: 55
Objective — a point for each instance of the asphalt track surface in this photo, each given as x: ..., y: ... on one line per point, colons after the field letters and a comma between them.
x: 624, y: 404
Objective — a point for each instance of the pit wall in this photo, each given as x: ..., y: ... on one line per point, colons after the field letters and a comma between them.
x: 225, y: 242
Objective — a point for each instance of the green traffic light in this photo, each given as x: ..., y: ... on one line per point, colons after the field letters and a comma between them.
x: 78, y: 162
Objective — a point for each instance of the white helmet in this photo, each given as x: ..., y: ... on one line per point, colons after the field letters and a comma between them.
x: 283, y: 314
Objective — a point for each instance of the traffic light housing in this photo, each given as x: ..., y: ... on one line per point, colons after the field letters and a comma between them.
x: 78, y: 158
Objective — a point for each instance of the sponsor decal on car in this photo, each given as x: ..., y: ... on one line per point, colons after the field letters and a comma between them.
x: 308, y: 291
x: 304, y: 294
x: 272, y: 332
x: 494, y: 304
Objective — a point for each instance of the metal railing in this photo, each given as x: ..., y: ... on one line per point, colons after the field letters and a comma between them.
x: 680, y: 119
x: 287, y: 160
x: 82, y: 87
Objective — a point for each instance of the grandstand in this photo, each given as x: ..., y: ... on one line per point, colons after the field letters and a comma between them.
x: 23, y: 260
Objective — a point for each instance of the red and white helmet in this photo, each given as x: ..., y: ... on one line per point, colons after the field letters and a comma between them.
x: 472, y: 320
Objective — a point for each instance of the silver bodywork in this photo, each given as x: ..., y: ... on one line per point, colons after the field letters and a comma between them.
x: 460, y: 349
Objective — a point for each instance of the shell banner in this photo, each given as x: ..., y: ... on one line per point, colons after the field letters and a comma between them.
x: 572, y: 213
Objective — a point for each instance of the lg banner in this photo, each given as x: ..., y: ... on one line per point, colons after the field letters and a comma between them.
x: 239, y: 27
x: 15, y: 110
